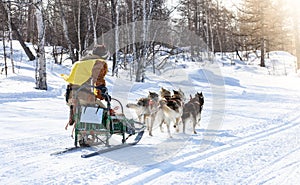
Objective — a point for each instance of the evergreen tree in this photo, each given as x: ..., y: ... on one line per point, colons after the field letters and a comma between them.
x: 261, y: 26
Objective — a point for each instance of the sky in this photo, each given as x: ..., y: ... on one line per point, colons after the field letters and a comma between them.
x: 230, y: 4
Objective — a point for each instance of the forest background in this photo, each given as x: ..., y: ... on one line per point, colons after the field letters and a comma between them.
x: 72, y: 27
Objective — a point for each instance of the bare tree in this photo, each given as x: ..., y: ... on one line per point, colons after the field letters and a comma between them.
x: 9, y: 22
x: 66, y: 32
x: 4, y: 54
x: 114, y: 23
x: 93, y: 18
x: 41, y: 80
x: 30, y: 25
x: 16, y: 31
x: 79, y: 27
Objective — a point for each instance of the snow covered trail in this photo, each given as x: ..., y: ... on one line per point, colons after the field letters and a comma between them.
x: 238, y: 160
x: 257, y: 142
x: 257, y: 158
x: 238, y: 155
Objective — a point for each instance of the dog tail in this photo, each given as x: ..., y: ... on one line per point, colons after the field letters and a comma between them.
x: 163, y: 106
x: 132, y: 106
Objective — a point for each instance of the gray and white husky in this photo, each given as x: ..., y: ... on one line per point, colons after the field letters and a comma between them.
x: 192, y: 111
x: 146, y: 109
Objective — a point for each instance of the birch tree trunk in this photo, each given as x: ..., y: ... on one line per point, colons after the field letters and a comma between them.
x: 132, y: 68
x: 117, y: 37
x: 93, y: 22
x: 41, y: 80
x: 78, y: 28
x: 262, y: 46
x: 218, y: 29
x: 86, y: 38
x: 114, y: 24
x: 210, y: 22
x: 207, y: 32
x: 140, y: 69
x: 9, y: 23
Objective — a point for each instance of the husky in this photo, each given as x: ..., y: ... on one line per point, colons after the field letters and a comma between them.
x: 165, y: 94
x: 170, y: 108
x: 192, y: 111
x: 153, y: 107
x: 146, y: 108
x: 141, y: 108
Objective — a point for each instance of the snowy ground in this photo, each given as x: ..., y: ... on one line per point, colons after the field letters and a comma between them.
x: 249, y: 132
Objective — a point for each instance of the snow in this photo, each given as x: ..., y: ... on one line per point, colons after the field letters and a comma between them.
x: 249, y: 132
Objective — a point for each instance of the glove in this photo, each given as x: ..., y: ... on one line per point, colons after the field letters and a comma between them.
x: 104, y: 92
x: 102, y: 88
x: 107, y: 97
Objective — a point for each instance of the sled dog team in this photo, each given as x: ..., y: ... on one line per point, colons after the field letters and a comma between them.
x: 167, y: 108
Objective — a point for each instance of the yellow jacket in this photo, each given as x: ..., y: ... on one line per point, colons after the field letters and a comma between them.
x: 82, y: 71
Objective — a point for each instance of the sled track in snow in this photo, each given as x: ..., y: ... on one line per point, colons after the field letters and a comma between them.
x: 269, y: 169
x: 27, y: 152
x: 23, y: 152
x: 157, y: 170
